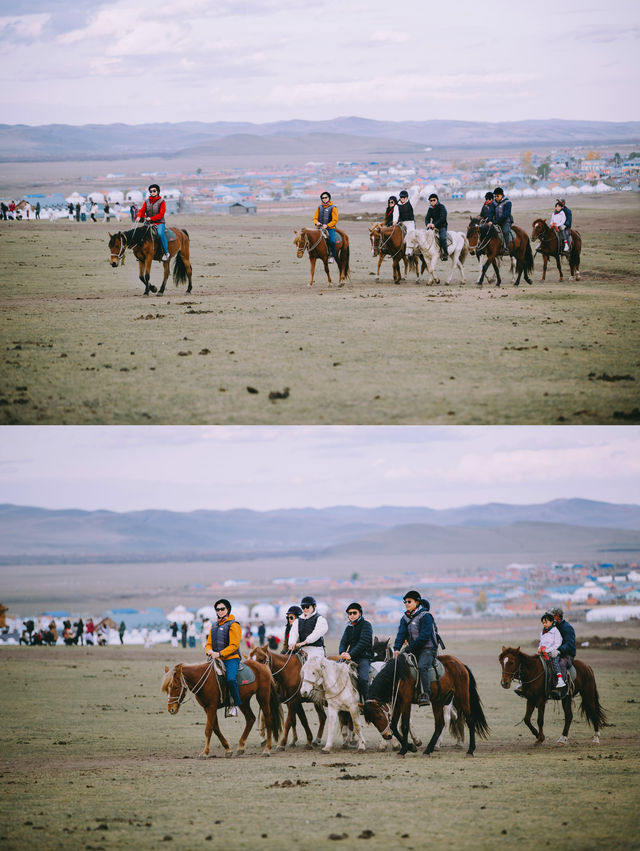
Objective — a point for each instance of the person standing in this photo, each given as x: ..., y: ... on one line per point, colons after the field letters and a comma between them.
x: 308, y: 631
x: 38, y: 209
x: 183, y: 633
x: 78, y: 211
x: 191, y: 634
x: 356, y: 645
x: 152, y: 212
x: 436, y: 219
x: 326, y: 218
x: 224, y: 643
x: 262, y: 631
x: 417, y: 636
x: 94, y: 210
x: 107, y: 212
x: 174, y: 634
x: 90, y: 631
x: 121, y: 631
x: 80, y: 632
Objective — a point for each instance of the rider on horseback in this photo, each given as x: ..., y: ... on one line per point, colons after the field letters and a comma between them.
x: 223, y: 643
x: 502, y: 215
x: 392, y: 203
x: 487, y: 212
x: 356, y: 645
x: 418, y: 631
x: 326, y: 219
x: 550, y: 641
x: 293, y: 612
x: 403, y: 214
x: 567, y: 649
x: 558, y: 222
x: 436, y: 219
x: 152, y: 213
x: 309, y: 630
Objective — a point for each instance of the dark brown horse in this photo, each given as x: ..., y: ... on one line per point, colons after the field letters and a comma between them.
x: 146, y: 248
x: 388, y: 242
x: 312, y: 241
x: 516, y: 665
x: 485, y: 238
x: 201, y: 680
x: 549, y: 247
x: 286, y: 673
x: 392, y: 693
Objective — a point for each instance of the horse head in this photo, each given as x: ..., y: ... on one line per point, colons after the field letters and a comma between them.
x: 312, y: 679
x: 117, y: 246
x: 510, y: 664
x: 175, y: 686
x: 473, y: 233
x: 378, y: 714
x: 375, y: 237
x: 260, y: 654
x: 381, y: 650
x: 300, y: 241
x: 539, y: 227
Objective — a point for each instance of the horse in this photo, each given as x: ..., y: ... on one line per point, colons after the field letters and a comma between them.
x: 529, y: 670
x: 286, y: 673
x: 324, y: 679
x: 424, y: 242
x: 146, y: 248
x: 549, y: 247
x: 202, y: 681
x: 388, y: 241
x: 392, y: 693
x: 313, y: 241
x: 485, y: 238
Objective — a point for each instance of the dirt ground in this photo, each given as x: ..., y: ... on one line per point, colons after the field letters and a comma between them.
x: 82, y: 345
x: 91, y: 759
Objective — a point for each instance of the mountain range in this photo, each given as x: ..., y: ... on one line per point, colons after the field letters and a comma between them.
x: 30, y: 534
x: 350, y: 136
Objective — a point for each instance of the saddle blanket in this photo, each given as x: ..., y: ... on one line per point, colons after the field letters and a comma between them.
x: 245, y: 673
x: 436, y: 671
x: 553, y: 693
x: 338, y: 237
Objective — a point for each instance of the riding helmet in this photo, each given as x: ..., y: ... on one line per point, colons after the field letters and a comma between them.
x: 294, y: 610
x: 354, y: 606
x: 308, y: 601
x: 498, y: 191
x: 413, y: 595
x: 404, y: 194
x: 557, y: 611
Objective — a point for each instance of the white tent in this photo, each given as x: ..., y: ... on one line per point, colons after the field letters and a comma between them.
x: 115, y: 196
x: 585, y: 189
x: 98, y: 197
x: 515, y: 193
x: 613, y: 613
x: 134, y: 196
x: 75, y: 198
x: 374, y: 197
x: 602, y: 187
x: 572, y: 190
x: 529, y: 193
x: 543, y: 191
x: 263, y: 612
x: 473, y: 194
x: 180, y: 615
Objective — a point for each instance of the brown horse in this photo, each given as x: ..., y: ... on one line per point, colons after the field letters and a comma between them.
x: 312, y: 241
x: 529, y: 671
x: 392, y: 693
x: 202, y: 681
x: 286, y: 673
x: 485, y: 238
x: 146, y: 248
x: 549, y: 247
x: 389, y: 242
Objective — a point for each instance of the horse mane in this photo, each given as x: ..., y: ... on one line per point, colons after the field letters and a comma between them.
x: 136, y: 236
x: 382, y: 686
x: 167, y: 678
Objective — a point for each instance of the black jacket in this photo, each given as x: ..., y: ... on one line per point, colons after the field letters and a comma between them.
x: 568, y: 633
x: 357, y: 640
x: 437, y: 216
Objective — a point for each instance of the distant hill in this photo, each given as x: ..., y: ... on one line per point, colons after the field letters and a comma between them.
x: 346, y: 136
x: 37, y: 534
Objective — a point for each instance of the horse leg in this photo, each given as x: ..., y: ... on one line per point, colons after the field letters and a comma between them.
x: 332, y: 722
x: 568, y: 718
x: 312, y: 264
x: 438, y: 717
x: 558, y: 264
x: 527, y: 716
x: 357, y: 729
x: 516, y: 283
x: 187, y: 262
x: 249, y: 719
x: 141, y: 275
x: 380, y: 259
x: 147, y: 274
x: 483, y: 272
x: 497, y: 271
x: 545, y: 260
x: 216, y: 729
x: 209, y: 727
x: 322, y: 720
x: 326, y: 269
x: 165, y: 264
x: 302, y: 715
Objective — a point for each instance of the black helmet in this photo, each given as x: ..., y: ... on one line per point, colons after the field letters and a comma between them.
x: 294, y: 610
x: 404, y: 194
x: 308, y: 601
x: 498, y: 190
x: 392, y: 198
x: 488, y: 196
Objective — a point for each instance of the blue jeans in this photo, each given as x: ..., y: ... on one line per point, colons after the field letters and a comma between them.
x: 232, y: 666
x: 332, y: 242
x: 160, y: 228
x: 363, y: 677
x: 425, y: 661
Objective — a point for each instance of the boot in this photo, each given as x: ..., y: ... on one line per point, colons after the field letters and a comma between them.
x: 232, y: 712
x: 561, y: 683
x: 423, y: 699
x: 518, y: 691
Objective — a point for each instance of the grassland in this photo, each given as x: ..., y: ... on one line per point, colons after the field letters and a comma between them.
x: 91, y: 759
x: 82, y: 345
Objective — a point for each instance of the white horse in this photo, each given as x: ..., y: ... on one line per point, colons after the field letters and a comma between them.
x: 323, y: 679
x: 424, y: 242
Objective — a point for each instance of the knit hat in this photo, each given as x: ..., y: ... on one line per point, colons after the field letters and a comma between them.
x: 354, y: 606
x: 413, y: 595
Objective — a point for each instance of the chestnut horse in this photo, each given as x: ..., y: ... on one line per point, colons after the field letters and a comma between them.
x: 392, y: 693
x: 202, y: 681
x: 286, y: 668
x: 529, y: 670
x: 485, y: 238
x: 146, y: 248
x: 312, y: 241
x: 549, y: 247
x: 388, y: 241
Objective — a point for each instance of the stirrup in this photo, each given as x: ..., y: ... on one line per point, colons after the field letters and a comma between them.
x: 424, y: 699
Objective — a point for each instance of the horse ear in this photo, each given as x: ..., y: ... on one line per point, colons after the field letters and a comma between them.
x: 110, y: 234
x: 166, y: 669
x: 518, y: 649
x: 295, y: 231
x: 503, y: 648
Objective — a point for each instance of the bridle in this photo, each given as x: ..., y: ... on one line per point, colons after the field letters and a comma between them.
x: 119, y: 257
x: 306, y: 246
x: 383, y: 242
x: 184, y: 688
x: 517, y: 674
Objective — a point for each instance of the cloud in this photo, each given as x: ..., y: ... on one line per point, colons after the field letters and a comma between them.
x: 23, y: 27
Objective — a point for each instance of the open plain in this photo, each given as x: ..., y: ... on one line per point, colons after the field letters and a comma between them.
x: 80, y: 343
x: 91, y: 759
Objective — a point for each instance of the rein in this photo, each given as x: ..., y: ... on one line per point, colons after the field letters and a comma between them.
x: 184, y: 687
x: 517, y: 675
x: 306, y: 246
x: 385, y: 241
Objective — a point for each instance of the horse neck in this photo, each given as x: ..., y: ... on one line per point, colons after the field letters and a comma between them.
x: 193, y: 673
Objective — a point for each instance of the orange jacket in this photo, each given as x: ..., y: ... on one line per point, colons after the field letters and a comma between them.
x: 231, y: 651
x: 334, y: 215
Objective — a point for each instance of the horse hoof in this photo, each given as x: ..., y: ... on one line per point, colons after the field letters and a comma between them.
x: 202, y: 755
x: 228, y: 754
x: 153, y: 289
x: 278, y: 748
x: 562, y: 740
x: 595, y: 740
x: 362, y: 747
x: 469, y: 753
x: 239, y: 752
x: 326, y: 750
x: 266, y: 753
x: 413, y: 749
x: 400, y: 754
x: 309, y: 746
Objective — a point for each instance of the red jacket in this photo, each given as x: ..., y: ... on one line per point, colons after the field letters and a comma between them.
x: 160, y: 209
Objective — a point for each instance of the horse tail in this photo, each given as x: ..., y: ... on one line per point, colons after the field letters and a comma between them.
x: 179, y: 270
x: 590, y: 707
x: 275, y: 706
x: 528, y: 259
x: 344, y: 260
x: 477, y: 720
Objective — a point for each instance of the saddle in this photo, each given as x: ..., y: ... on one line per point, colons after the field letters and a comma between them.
x: 434, y: 674
x: 244, y: 677
x: 506, y: 249
x: 325, y: 236
x: 551, y: 692
x: 157, y: 245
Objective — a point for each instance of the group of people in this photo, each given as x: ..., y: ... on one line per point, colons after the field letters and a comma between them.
x: 76, y: 633
x: 557, y: 644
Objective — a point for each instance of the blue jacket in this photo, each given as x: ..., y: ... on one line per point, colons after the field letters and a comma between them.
x: 569, y: 216
x: 426, y: 636
x: 568, y: 633
x: 503, y: 213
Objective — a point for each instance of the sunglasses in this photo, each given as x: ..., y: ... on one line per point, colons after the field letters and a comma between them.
x: 353, y: 613
x: 221, y: 608
x: 291, y: 617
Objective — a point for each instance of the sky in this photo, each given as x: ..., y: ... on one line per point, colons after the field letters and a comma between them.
x: 139, y: 61
x: 186, y: 468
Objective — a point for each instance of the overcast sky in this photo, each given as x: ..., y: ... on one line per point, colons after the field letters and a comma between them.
x: 137, y: 61
x: 186, y: 468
